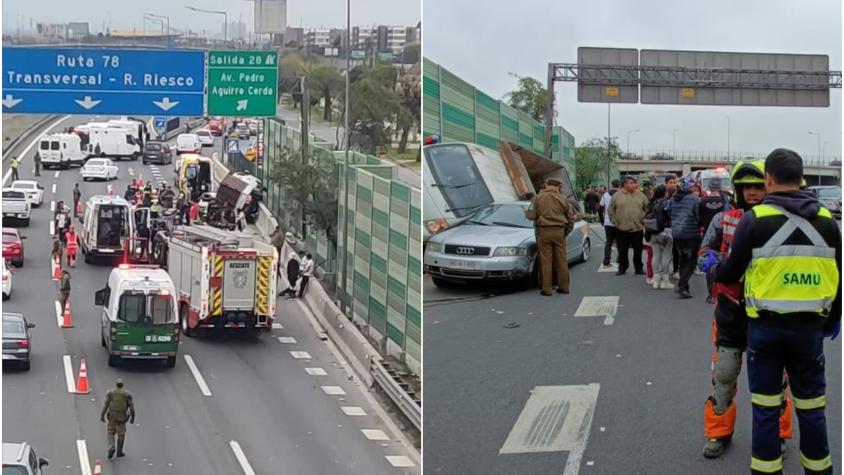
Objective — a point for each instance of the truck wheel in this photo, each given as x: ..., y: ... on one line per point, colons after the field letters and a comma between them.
x: 135, y: 156
x: 439, y: 282
x: 88, y: 259
x: 171, y: 361
x: 183, y: 312
x: 113, y: 360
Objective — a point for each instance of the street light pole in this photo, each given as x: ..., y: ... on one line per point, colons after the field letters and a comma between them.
x: 674, y: 144
x: 215, y: 12
x: 345, y: 216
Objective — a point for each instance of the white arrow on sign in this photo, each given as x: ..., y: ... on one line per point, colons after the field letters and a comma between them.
x: 165, y: 104
x: 10, y: 102
x: 87, y: 103
x: 241, y: 105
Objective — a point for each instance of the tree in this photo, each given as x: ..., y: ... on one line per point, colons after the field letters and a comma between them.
x: 325, y: 82
x: 411, y: 53
x: 591, y: 160
x: 410, y: 95
x: 530, y: 97
x: 311, y: 186
x: 374, y: 105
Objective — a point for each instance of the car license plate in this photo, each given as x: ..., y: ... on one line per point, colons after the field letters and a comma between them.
x: 467, y: 265
x: 157, y: 338
x: 106, y: 250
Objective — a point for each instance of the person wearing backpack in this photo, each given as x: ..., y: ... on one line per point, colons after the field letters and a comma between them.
x: 658, y: 234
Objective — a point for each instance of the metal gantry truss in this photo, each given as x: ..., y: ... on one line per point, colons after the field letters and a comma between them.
x: 673, y: 76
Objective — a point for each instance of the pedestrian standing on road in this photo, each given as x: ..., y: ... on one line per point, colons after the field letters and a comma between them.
x: 609, y: 228
x: 292, y: 275
x: 658, y: 234
x: 77, y: 197
x: 627, y: 211
x: 119, y: 407
x: 37, y: 163
x: 307, y: 273
x: 72, y: 245
x: 591, y: 200
x: 64, y: 289
x: 56, y: 256
x: 684, y: 210
x: 793, y: 301
x: 671, y: 188
x: 552, y: 217
x: 14, y: 166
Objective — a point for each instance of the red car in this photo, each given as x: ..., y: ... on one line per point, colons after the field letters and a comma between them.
x: 13, y: 246
x: 216, y: 128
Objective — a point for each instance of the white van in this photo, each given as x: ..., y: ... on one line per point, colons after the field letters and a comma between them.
x: 188, y: 143
x: 138, y: 127
x: 111, y: 140
x: 61, y: 151
x: 106, y: 226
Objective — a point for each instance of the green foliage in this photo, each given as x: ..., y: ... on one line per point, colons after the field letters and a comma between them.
x: 374, y: 105
x: 530, y: 97
x: 592, y: 160
x: 325, y: 82
x: 412, y: 53
x: 311, y: 186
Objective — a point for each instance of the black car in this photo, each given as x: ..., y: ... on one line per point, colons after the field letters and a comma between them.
x: 16, y: 339
x: 157, y: 152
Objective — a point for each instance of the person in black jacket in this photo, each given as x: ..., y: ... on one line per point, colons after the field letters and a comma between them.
x: 684, y: 210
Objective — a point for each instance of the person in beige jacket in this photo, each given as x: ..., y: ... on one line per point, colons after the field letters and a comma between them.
x: 627, y: 212
x: 553, y: 221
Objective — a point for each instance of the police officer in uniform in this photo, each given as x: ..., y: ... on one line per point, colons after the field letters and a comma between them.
x: 552, y: 215
x: 789, y: 251
x: 120, y: 408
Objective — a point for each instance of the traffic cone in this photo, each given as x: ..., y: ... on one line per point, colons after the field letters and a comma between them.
x: 82, y: 382
x: 67, y: 320
x: 57, y: 270
x: 98, y: 467
x: 80, y: 208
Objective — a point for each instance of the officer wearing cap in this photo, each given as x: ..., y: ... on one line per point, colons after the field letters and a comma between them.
x: 553, y: 219
x: 120, y: 408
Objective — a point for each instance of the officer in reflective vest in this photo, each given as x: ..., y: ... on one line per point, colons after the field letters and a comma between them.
x: 729, y: 325
x: 789, y: 251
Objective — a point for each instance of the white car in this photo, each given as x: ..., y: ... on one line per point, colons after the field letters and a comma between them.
x: 7, y: 280
x: 99, y: 168
x: 188, y: 143
x: 205, y: 137
x: 34, y: 191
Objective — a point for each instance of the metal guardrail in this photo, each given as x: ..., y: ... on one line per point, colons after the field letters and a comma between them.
x: 35, y: 129
x: 398, y: 391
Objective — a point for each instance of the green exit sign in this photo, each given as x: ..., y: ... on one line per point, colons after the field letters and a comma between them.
x: 242, y: 83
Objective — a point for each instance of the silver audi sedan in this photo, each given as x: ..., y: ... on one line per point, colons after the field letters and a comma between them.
x: 497, y: 243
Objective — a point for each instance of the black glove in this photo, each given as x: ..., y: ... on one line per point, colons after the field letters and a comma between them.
x: 102, y: 418
x: 132, y: 420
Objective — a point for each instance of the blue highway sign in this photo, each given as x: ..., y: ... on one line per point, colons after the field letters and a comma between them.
x: 160, y: 122
x: 103, y: 81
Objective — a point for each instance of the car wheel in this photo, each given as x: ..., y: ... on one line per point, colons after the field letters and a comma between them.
x: 6, y: 296
x: 113, y: 360
x: 183, y: 312
x: 25, y: 365
x: 440, y: 282
x: 19, y: 263
x: 171, y: 361
x: 26, y: 222
x: 585, y: 251
x: 145, y: 162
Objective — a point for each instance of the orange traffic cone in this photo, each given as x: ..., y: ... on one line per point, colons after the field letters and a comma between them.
x: 57, y: 270
x: 98, y: 467
x: 82, y: 382
x: 67, y: 320
x: 80, y: 208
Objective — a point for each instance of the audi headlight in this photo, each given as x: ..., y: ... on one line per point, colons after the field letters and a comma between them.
x: 434, y: 247
x: 510, y: 251
x: 436, y: 225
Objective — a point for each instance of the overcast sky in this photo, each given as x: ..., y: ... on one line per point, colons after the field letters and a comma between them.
x: 126, y: 15
x: 483, y: 45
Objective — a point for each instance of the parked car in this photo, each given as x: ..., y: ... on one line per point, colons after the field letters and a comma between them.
x: 20, y: 459
x: 830, y: 198
x: 630, y: 156
x: 157, y: 152
x: 497, y: 243
x: 7, y: 279
x: 34, y: 191
x: 99, y: 169
x: 661, y: 156
x: 16, y: 341
x: 205, y: 137
x: 16, y: 206
x: 13, y: 246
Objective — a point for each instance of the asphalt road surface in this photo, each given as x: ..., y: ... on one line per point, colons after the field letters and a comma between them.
x: 618, y: 395
x: 265, y: 413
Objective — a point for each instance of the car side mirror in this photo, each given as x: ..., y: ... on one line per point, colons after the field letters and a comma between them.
x: 40, y: 186
x: 30, y: 325
x: 42, y: 462
x: 101, y: 296
x: 23, y: 238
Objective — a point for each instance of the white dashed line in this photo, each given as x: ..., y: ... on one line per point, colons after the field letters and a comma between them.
x: 399, y: 461
x: 84, y: 461
x: 334, y: 390
x: 58, y: 313
x: 353, y: 411
x: 241, y: 458
x: 54, y: 188
x: 68, y: 374
x: 57, y: 174
x: 375, y: 434
x: 197, y: 376
x: 300, y: 355
x: 53, y: 205
x: 52, y: 228
x: 286, y: 339
x: 316, y: 371
x: 277, y: 326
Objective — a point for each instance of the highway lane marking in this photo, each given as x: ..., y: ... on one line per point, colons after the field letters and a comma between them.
x: 8, y: 173
x: 58, y: 172
x: 333, y: 390
x: 58, y: 313
x: 316, y: 371
x: 84, y: 461
x: 277, y: 326
x: 606, y: 307
x: 375, y: 434
x: 54, y: 188
x: 52, y: 227
x: 286, y: 340
x: 399, y: 461
x: 53, y: 205
x: 197, y: 376
x: 353, y: 411
x: 555, y: 419
x: 241, y: 458
x: 300, y: 355
x: 68, y: 374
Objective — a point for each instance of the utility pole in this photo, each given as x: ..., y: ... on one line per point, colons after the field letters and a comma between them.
x: 306, y: 118
x: 345, y: 215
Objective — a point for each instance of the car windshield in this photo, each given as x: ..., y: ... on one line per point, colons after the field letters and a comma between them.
x: 829, y: 193
x: 203, y: 133
x: 510, y: 215
x: 23, y: 186
x: 9, y: 237
x: 12, y: 326
x: 13, y: 470
x: 458, y: 179
x: 152, y: 146
x: 19, y: 195
x: 152, y: 309
x: 96, y: 162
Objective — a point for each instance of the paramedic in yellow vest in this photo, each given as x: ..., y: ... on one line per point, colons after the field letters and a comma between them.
x: 789, y: 251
